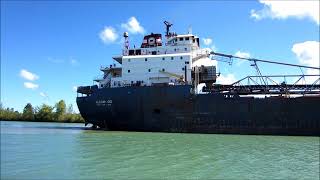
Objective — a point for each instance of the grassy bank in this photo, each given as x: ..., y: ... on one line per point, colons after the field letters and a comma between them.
x: 43, y: 113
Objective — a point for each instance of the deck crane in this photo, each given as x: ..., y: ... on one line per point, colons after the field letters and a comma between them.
x: 265, y: 87
x: 254, y: 60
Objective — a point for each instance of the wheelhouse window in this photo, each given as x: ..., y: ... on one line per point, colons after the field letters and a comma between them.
x: 131, y: 52
x: 138, y: 52
x: 187, y: 38
x: 181, y: 39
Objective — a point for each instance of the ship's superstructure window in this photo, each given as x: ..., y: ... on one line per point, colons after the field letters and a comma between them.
x: 181, y: 57
x: 149, y: 70
x: 128, y: 70
x: 181, y: 39
x: 128, y: 60
x: 183, y: 69
x: 187, y: 38
x: 194, y: 40
x: 163, y: 69
x: 131, y: 52
x: 171, y: 58
x: 163, y: 58
x: 154, y: 52
x: 186, y: 49
x: 146, y: 59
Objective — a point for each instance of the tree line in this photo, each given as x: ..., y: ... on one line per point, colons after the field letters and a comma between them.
x: 43, y: 113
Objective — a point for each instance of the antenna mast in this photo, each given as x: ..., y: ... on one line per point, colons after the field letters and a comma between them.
x: 168, y: 25
x: 126, y: 44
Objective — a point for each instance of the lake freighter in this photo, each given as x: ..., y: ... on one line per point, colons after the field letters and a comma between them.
x: 156, y: 88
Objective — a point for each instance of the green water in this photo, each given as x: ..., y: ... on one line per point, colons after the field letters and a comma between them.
x: 68, y: 151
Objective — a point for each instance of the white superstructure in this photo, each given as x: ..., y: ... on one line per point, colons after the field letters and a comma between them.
x: 154, y: 63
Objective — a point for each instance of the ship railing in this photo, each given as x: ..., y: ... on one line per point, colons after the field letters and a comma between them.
x: 107, y: 68
x: 104, y: 68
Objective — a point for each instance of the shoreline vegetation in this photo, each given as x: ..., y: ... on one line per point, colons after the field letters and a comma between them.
x: 43, y: 113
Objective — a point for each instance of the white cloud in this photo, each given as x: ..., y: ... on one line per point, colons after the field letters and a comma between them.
x: 28, y: 75
x: 43, y: 94
x: 30, y: 85
x: 108, y: 35
x: 214, y: 48
x: 226, y: 79
x: 73, y: 61
x: 242, y: 54
x: 308, y: 54
x: 133, y: 26
x: 54, y: 60
x: 285, y: 9
x: 207, y: 41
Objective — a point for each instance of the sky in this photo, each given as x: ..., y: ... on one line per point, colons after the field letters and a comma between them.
x: 50, y: 47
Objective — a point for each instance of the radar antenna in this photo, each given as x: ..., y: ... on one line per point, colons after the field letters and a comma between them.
x: 168, y: 25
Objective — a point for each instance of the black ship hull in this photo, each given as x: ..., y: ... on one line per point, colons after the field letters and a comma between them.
x: 177, y: 109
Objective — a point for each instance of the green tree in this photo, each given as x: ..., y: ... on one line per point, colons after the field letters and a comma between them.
x: 28, y: 112
x: 45, y: 113
x: 60, y: 110
x: 70, y: 109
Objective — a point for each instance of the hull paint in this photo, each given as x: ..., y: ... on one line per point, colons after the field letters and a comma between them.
x: 176, y: 109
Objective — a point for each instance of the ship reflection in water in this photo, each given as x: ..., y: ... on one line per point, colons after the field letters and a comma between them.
x: 69, y: 151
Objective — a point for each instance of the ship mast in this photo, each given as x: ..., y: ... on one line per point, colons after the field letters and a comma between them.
x: 126, y: 44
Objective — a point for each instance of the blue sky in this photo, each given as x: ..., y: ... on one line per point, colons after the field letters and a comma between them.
x: 60, y: 45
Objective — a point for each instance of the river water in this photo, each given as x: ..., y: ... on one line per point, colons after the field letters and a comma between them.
x: 32, y: 150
